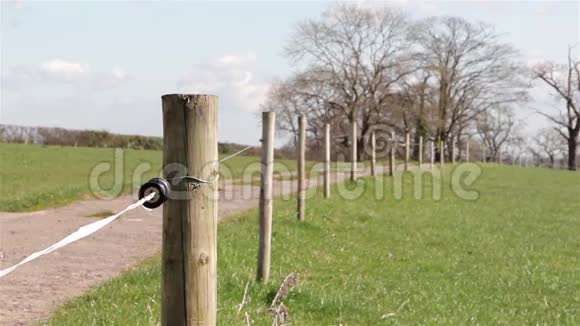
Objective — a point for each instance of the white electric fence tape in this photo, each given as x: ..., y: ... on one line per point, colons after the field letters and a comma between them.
x: 82, y: 232
x: 85, y: 231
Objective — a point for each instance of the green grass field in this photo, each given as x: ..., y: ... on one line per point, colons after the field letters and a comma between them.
x: 34, y: 177
x: 511, y: 257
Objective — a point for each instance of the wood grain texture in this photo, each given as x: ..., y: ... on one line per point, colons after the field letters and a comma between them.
x: 301, y: 208
x: 327, y: 160
x: 453, y: 152
x: 420, y: 151
x: 353, y: 152
x: 441, y: 154
x: 484, y: 155
x: 432, y: 157
x: 265, y: 201
x: 407, y: 150
x: 392, y: 154
x: 189, y: 245
x: 373, y: 154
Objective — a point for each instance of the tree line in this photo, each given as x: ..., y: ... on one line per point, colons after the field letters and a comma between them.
x: 71, y: 137
x: 95, y: 138
x: 440, y: 78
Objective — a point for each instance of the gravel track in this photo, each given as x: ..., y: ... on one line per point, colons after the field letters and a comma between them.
x: 31, y: 293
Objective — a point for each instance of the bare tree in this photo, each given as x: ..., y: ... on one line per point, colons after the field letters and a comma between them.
x: 515, y: 146
x: 564, y: 81
x: 359, y: 53
x: 472, y: 69
x: 549, y: 143
x: 302, y: 94
x: 495, y: 127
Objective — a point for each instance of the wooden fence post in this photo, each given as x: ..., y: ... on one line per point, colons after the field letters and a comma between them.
x: 189, y: 245
x: 499, y: 158
x: 373, y: 154
x: 392, y: 154
x: 265, y: 205
x: 441, y: 154
x: 407, y: 140
x: 453, y: 153
x: 432, y: 154
x: 301, y: 166
x: 420, y: 151
x: 326, y: 160
x: 484, y: 157
x: 353, y: 152
x: 467, y: 151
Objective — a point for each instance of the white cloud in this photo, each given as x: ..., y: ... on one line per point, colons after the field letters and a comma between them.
x: 237, y: 59
x: 119, y: 73
x: 60, y: 71
x: 232, y: 77
x: 66, y: 68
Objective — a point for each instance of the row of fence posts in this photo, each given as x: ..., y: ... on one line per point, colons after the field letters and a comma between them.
x: 189, y: 244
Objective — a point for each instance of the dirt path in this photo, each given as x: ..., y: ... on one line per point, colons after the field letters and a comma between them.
x: 32, y: 292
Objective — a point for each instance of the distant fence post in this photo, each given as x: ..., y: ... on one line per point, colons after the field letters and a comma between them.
x: 392, y: 155
x: 467, y: 152
x: 484, y: 156
x: 265, y: 205
x: 353, y: 152
x: 453, y: 153
x: 441, y: 153
x: 432, y: 157
x: 373, y: 154
x: 420, y: 151
x: 499, y: 158
x: 301, y: 166
x: 189, y: 245
x: 407, y: 140
x: 327, y: 160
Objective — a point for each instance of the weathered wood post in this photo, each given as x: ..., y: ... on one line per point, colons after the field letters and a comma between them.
x: 453, y: 153
x: 373, y: 153
x: 353, y: 152
x: 467, y: 151
x: 407, y: 140
x: 189, y: 245
x: 265, y: 204
x: 441, y: 154
x: 301, y: 167
x: 392, y: 154
x: 432, y: 154
x: 484, y: 157
x: 420, y: 151
x: 326, y: 160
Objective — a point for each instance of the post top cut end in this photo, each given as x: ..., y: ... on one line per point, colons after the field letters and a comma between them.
x: 181, y: 95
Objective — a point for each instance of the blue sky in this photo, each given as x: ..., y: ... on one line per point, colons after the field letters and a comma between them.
x: 104, y: 65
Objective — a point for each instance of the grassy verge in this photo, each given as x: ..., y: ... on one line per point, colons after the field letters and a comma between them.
x: 509, y: 257
x: 34, y: 177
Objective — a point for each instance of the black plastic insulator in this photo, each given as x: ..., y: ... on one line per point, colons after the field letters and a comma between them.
x: 160, y: 187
